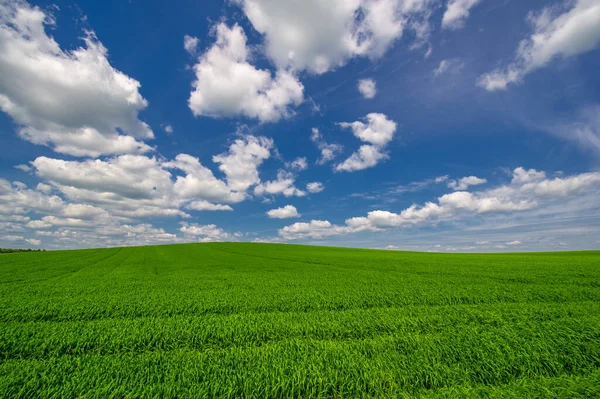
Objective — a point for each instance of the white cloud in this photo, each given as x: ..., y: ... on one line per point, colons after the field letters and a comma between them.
x: 367, y: 88
x: 9, y: 227
x: 379, y: 131
x: 111, y: 234
x: 75, y: 101
x: 299, y: 164
x: 44, y: 188
x: 16, y: 199
x: 516, y: 197
x: 482, y: 243
x: 513, y: 243
x: 366, y: 157
x: 38, y: 224
x: 315, y: 187
x: 208, y: 206
x: 321, y: 35
x: 465, y: 182
x: 462, y: 200
x: 314, y: 229
x: 240, y: 164
x: 82, y: 211
x: 33, y: 241
x: 12, y: 238
x: 132, y: 186
x: 575, y: 31
x: 65, y: 222
x: 168, y: 129
x: 227, y: 85
x: 447, y: 66
x: 199, y: 182
x: 328, y: 151
x: 13, y: 218
x: 190, y: 44
x: 80, y: 224
x: 562, y: 187
x: 583, y: 128
x: 24, y: 168
x: 457, y: 13
x: 205, y: 233
x: 129, y: 176
x: 128, y: 187
x: 522, y: 176
x: 283, y: 185
x: 286, y: 212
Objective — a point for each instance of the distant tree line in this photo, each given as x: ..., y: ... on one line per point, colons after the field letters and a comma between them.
x: 9, y: 250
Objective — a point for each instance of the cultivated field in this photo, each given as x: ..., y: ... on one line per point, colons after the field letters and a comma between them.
x: 283, y: 321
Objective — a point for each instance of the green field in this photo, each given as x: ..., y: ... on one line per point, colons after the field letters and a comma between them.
x: 284, y: 321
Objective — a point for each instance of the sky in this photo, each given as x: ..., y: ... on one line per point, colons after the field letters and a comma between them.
x: 426, y: 125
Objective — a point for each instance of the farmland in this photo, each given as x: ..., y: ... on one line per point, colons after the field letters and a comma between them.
x: 231, y: 320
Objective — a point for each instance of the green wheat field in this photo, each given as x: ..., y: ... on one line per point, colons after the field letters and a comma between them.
x: 240, y: 320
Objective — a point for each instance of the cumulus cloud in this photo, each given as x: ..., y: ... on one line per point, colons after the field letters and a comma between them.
x: 574, y: 31
x: 284, y: 184
x: 321, y: 35
x: 227, y: 85
x: 45, y: 188
x: 377, y: 130
x: 190, y: 44
x: 315, y: 187
x: 366, y: 157
x: 367, y: 87
x: 111, y: 234
x: 38, y: 224
x: 522, y: 176
x: 73, y: 101
x: 313, y: 229
x: 483, y: 203
x: 105, y: 197
x: 520, y: 196
x: 208, y: 206
x: 299, y: 164
x: 466, y: 182
x: 168, y: 129
x: 240, y: 164
x: 448, y: 66
x: 136, y: 177
x: 23, y: 168
x: 457, y: 13
x: 286, y: 212
x: 16, y: 199
x: 328, y: 151
x: 562, y: 187
x: 200, y: 182
x: 140, y: 186
x: 205, y: 233
x: 74, y: 224
x: 19, y: 240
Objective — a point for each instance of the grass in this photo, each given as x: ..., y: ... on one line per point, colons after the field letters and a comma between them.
x: 284, y: 321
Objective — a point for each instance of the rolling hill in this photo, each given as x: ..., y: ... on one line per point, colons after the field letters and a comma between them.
x: 233, y: 320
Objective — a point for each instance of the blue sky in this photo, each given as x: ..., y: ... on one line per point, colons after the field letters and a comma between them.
x: 430, y: 125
